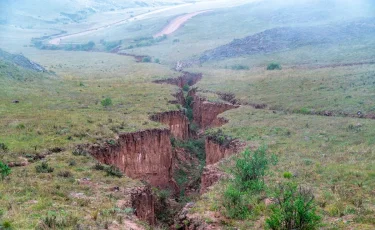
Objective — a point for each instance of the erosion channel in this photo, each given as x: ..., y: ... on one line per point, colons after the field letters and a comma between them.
x: 176, y: 164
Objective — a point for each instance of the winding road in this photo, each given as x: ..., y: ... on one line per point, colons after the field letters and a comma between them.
x: 177, y: 23
x: 59, y: 39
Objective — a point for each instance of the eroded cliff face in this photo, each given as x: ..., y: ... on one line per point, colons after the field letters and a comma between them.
x: 216, y: 151
x: 205, y: 113
x: 186, y: 79
x: 176, y: 121
x: 143, y: 203
x: 210, y: 175
x: 145, y: 155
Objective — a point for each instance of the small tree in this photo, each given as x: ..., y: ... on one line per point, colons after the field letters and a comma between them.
x: 234, y: 203
x: 4, y: 170
x: 274, y: 66
x: 250, y: 169
x: 106, y: 102
x: 146, y: 59
x: 295, y: 209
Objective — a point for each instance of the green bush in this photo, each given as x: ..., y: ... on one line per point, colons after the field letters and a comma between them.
x: 6, y: 225
x: 113, y: 171
x: 295, y: 209
x: 250, y: 169
x: 287, y: 175
x: 146, y: 59
x: 4, y: 170
x: 43, y: 168
x: 239, y: 67
x: 186, y: 88
x: 274, y: 66
x: 106, y: 102
x: 157, y: 60
x: 234, y: 203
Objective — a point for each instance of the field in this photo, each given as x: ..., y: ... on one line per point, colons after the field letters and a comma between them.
x: 317, y: 112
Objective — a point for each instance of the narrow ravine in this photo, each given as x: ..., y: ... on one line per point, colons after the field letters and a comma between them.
x: 175, y: 163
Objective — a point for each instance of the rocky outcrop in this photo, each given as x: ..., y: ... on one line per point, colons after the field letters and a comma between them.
x: 186, y: 79
x: 210, y: 175
x: 143, y: 203
x: 187, y: 221
x: 145, y: 155
x: 216, y: 151
x: 176, y: 121
x: 205, y: 113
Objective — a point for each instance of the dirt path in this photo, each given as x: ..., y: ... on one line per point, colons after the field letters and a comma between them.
x: 177, y: 23
x: 59, y: 39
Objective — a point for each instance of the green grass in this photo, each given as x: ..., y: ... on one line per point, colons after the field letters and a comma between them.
x: 57, y: 111
x: 321, y: 153
x: 27, y: 196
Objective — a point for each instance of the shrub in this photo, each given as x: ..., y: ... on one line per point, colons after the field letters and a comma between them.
x: 295, y: 209
x: 287, y: 175
x: 106, y: 102
x: 250, y: 169
x: 113, y: 171
x: 3, y: 147
x: 239, y: 67
x: 6, y: 225
x: 157, y: 60
x: 186, y: 88
x: 4, y: 170
x: 43, y: 168
x: 146, y: 59
x: 99, y: 166
x: 234, y: 203
x: 274, y: 66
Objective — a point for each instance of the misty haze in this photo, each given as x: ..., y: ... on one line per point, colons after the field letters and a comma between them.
x: 187, y: 114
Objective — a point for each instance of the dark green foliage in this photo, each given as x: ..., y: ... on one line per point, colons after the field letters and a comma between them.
x: 157, y: 60
x: 99, y: 166
x: 146, y: 59
x: 186, y: 88
x: 274, y: 66
x: 295, y: 209
x: 113, y: 171
x: 239, y: 67
x: 250, y: 169
x: 3, y: 147
x: 148, y: 41
x: 194, y: 146
x: 4, y: 170
x: 44, y: 168
x: 6, y: 225
x: 106, y: 102
x: 163, y: 211
x: 234, y: 203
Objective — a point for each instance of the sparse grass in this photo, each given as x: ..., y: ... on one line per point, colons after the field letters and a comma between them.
x: 41, y: 199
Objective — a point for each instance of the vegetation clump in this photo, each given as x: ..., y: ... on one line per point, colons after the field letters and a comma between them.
x: 295, y: 209
x: 106, y: 102
x: 274, y: 66
x: 44, y: 168
x: 113, y: 171
x: 4, y: 170
x: 146, y: 59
